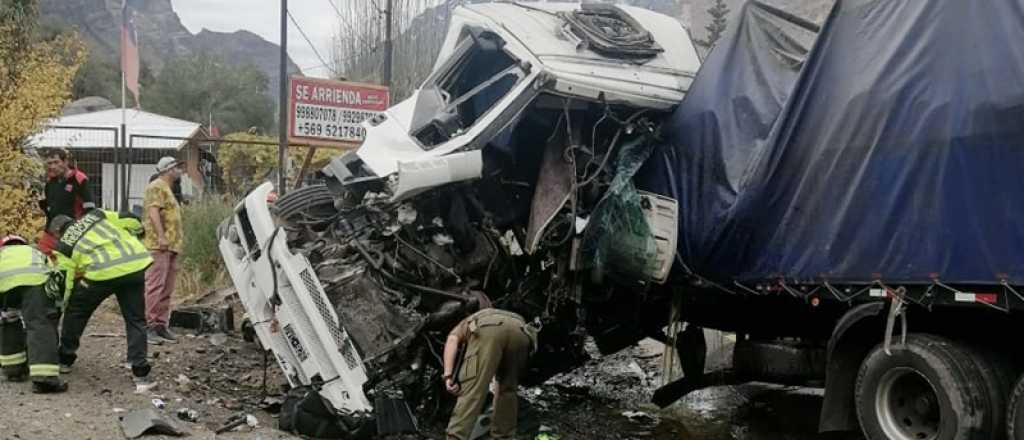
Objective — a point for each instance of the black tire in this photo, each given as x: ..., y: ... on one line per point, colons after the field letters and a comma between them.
x: 1015, y: 412
x: 308, y: 202
x: 929, y: 388
x: 997, y: 370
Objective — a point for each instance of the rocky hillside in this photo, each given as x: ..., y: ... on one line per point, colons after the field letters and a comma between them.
x: 162, y: 37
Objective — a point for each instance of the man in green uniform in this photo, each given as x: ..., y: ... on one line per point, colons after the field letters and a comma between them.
x: 23, y: 276
x: 101, y: 255
x: 497, y: 345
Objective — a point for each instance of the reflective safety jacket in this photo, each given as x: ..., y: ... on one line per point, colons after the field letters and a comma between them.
x: 20, y: 266
x: 101, y: 246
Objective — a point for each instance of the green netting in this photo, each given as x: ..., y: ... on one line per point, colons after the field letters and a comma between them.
x: 618, y: 241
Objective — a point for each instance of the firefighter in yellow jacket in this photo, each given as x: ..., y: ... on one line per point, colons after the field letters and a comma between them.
x: 100, y: 255
x: 24, y: 273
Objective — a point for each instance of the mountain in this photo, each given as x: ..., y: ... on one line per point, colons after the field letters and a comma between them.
x: 162, y: 37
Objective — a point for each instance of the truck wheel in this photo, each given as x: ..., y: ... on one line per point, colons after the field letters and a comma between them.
x: 307, y: 203
x: 931, y: 388
x: 1015, y: 412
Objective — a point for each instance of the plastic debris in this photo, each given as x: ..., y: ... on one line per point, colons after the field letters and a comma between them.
x: 406, y: 214
x: 218, y: 339
x: 237, y: 421
x: 147, y: 421
x: 188, y: 415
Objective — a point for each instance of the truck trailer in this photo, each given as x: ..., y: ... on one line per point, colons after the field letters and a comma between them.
x: 844, y: 198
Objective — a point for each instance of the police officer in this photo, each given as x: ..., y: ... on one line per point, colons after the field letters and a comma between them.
x: 23, y: 276
x: 101, y: 255
x: 498, y: 344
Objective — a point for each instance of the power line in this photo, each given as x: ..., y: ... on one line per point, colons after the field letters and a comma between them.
x: 331, y: 2
x: 308, y: 41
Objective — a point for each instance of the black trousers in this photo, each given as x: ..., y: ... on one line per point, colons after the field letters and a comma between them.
x: 37, y: 327
x: 87, y: 296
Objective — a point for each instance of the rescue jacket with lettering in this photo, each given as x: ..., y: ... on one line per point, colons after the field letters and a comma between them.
x: 21, y: 266
x: 101, y: 246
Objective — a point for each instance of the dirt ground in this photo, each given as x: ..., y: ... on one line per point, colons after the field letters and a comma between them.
x: 221, y: 375
x: 223, y: 380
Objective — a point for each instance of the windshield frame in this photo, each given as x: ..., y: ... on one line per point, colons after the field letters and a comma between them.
x: 445, y: 104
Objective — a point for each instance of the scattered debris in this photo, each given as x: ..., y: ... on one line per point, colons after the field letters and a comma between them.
x: 147, y: 421
x: 640, y: 417
x: 188, y: 415
x: 204, y: 318
x: 272, y: 404
x: 218, y: 339
x: 237, y: 421
x: 105, y: 335
x: 159, y: 403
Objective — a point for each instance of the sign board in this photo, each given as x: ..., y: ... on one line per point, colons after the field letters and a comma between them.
x: 326, y: 112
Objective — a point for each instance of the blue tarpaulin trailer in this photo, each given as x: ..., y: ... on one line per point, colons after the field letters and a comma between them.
x: 894, y: 154
x: 863, y: 187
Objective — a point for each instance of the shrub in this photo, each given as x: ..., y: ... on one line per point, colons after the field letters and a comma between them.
x: 201, y: 267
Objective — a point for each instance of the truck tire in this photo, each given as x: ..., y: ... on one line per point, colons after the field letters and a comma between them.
x: 931, y: 388
x: 307, y: 203
x: 997, y: 370
x: 1015, y: 412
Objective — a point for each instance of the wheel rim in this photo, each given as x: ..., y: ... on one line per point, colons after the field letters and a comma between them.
x: 907, y: 406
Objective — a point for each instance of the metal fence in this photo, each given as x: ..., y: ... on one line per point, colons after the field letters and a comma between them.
x: 118, y: 174
x: 89, y: 149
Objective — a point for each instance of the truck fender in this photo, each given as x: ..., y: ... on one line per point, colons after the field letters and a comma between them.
x: 854, y: 335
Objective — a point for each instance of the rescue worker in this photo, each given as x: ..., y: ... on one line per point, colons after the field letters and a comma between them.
x: 101, y: 255
x: 498, y: 344
x: 24, y: 273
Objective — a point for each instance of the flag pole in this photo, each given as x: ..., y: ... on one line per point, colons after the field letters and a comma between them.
x: 122, y: 201
x: 124, y: 145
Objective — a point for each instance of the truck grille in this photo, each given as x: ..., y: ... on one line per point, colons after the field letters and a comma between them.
x: 343, y: 342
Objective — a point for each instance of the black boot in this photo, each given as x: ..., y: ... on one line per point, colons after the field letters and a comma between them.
x: 49, y: 385
x: 16, y: 373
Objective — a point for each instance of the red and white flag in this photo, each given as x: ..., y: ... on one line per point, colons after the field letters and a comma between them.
x: 130, y: 49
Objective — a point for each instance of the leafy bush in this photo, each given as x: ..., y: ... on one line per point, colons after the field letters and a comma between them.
x: 200, y: 256
x: 245, y: 165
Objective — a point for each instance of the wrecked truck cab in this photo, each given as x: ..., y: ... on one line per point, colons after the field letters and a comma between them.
x: 500, y: 60
x: 505, y: 180
x: 288, y: 308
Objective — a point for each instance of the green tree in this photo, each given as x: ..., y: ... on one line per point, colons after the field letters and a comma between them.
x: 199, y: 87
x: 98, y: 77
x: 244, y: 164
x: 718, y: 12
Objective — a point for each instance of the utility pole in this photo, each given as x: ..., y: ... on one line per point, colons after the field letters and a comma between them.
x: 388, y: 42
x: 282, y: 106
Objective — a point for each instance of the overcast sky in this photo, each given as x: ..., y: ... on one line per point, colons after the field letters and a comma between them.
x: 262, y: 17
